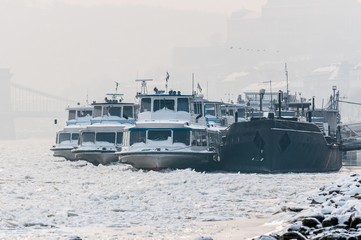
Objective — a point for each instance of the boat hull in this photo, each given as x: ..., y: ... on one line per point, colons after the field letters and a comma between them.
x: 202, y: 161
x: 65, y: 153
x: 96, y: 157
x: 276, y: 146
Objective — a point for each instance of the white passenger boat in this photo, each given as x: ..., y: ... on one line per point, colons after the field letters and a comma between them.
x: 168, y: 134
x: 67, y: 138
x: 99, y: 141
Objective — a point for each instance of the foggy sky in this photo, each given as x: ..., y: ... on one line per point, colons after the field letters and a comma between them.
x: 71, y: 47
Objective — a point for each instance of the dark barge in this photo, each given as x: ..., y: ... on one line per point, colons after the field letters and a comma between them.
x: 277, y: 145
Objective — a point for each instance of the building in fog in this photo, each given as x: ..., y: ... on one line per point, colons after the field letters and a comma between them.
x: 319, y: 40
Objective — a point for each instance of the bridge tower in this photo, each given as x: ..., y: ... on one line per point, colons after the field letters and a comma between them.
x: 7, y: 125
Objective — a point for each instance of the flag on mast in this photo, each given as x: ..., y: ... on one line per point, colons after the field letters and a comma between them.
x: 166, y: 82
x: 199, y: 88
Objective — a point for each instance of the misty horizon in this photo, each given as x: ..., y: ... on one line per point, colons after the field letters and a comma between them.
x: 78, y: 51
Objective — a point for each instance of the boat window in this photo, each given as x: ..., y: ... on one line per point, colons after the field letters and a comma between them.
x: 183, y: 104
x: 84, y: 113
x: 64, y: 137
x: 128, y: 112
x: 57, y: 138
x: 241, y: 112
x: 198, y: 108
x: 75, y: 136
x: 113, y: 111
x: 159, y: 135
x: 72, y: 114
x: 214, y: 139
x: 181, y: 137
x: 199, y: 137
x: 209, y: 109
x: 163, y: 103
x: 105, y: 137
x: 88, y: 137
x: 137, y: 137
x: 97, y: 111
x: 119, y: 137
x: 145, y: 105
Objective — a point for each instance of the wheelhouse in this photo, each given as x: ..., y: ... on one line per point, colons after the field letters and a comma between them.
x: 100, y: 138
x: 66, y: 137
x: 79, y: 115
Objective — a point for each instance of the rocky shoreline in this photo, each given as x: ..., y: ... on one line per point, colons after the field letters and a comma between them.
x: 334, y: 213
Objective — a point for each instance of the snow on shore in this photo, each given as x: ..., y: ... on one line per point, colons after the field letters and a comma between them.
x: 46, y: 197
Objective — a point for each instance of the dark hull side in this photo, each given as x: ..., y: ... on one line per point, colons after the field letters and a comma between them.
x: 277, y: 146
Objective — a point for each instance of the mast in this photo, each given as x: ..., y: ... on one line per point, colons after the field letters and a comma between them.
x: 286, y: 72
x: 192, y: 83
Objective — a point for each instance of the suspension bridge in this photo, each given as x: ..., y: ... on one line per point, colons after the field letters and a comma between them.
x: 18, y: 101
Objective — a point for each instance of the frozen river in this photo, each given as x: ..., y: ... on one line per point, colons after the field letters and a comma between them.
x: 42, y: 197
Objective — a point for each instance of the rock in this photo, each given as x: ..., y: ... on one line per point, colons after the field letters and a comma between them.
x: 267, y: 238
x: 318, y: 200
x: 292, y: 235
x: 330, y: 221
x: 355, y: 220
x: 310, y: 222
x: 327, y: 210
x: 319, y: 216
x: 345, y: 219
x: 74, y: 238
x: 295, y: 226
x: 204, y: 238
x: 334, y: 237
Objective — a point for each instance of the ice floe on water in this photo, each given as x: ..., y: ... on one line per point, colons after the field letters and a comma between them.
x: 43, y: 197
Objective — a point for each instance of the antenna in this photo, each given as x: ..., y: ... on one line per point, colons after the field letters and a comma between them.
x: 286, y: 72
x: 193, y: 92
x: 143, y: 86
x: 116, y: 87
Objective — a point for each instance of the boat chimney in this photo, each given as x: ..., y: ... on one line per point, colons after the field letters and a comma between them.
x: 236, y: 116
x: 313, y: 103
x: 279, y: 103
x: 261, y: 94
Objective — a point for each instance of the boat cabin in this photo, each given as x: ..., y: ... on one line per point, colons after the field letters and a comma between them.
x: 165, y: 106
x: 209, y: 112
x: 166, y: 136
x: 101, y: 136
x: 113, y: 110
x: 79, y: 115
x: 69, y: 135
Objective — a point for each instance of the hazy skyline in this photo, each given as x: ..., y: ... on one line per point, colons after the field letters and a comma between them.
x: 74, y: 47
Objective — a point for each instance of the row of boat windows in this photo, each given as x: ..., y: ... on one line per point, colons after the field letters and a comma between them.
x: 110, y: 137
x: 199, y: 137
x: 182, y: 104
x: 91, y: 137
x: 73, y: 114
x: 119, y: 111
x: 63, y: 137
